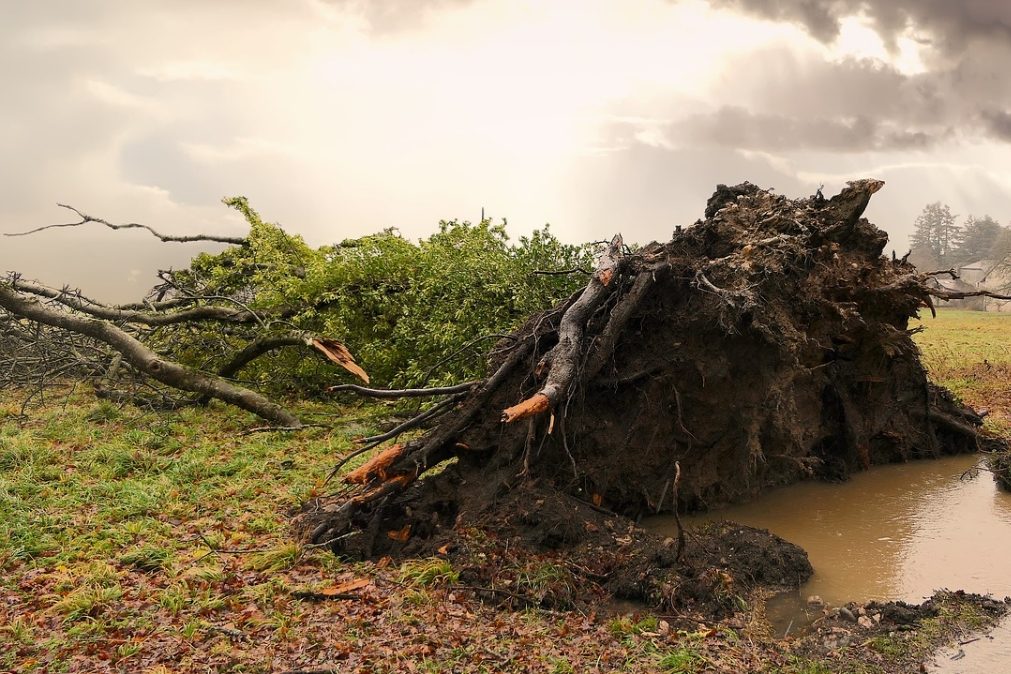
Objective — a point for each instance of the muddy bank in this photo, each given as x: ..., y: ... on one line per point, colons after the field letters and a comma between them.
x: 896, y: 636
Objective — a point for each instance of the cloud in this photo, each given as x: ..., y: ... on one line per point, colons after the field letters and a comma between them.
x: 736, y: 127
x: 901, y: 110
x: 948, y: 24
x: 390, y: 16
x: 206, y: 71
x: 340, y: 117
x: 998, y: 122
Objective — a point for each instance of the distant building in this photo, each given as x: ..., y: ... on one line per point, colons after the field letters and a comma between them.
x: 980, y: 275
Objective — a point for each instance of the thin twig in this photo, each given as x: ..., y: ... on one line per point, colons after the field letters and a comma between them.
x: 561, y: 272
x: 377, y: 440
x: 679, y: 550
x: 404, y: 392
x: 280, y: 429
x: 85, y: 218
x: 415, y: 421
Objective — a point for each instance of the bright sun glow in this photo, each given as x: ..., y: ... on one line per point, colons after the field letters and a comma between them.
x: 858, y: 39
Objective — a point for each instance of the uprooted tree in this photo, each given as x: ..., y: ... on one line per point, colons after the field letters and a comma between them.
x: 766, y: 344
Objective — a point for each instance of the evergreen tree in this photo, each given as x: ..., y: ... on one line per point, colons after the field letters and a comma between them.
x: 976, y: 239
x: 936, y: 232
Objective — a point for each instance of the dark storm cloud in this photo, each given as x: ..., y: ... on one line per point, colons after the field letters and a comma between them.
x: 965, y: 90
x: 949, y: 24
x: 998, y: 122
x: 823, y: 101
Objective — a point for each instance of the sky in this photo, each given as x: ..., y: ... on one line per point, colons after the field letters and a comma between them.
x: 338, y: 118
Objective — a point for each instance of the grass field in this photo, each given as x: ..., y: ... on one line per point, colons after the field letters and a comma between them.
x: 137, y: 542
x: 970, y: 353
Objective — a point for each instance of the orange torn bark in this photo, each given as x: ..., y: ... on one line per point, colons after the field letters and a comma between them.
x: 532, y: 406
x: 397, y: 481
x: 376, y: 467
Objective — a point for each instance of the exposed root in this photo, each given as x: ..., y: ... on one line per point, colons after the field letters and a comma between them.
x: 767, y: 344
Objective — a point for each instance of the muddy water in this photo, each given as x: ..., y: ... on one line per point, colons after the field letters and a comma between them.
x: 894, y: 532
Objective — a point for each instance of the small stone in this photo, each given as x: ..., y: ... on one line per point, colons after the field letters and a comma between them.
x: 847, y: 614
x: 663, y: 627
x: 815, y: 600
x: 865, y: 622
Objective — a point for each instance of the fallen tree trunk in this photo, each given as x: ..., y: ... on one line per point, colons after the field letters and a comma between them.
x: 767, y: 344
x: 147, y: 361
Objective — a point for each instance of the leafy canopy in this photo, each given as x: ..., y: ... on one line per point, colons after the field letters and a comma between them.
x: 402, y: 307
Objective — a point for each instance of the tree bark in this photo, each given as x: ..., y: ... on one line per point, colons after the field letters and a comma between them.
x: 147, y: 361
x: 564, y: 359
x: 204, y: 313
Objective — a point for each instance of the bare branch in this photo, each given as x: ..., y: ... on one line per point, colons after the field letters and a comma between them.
x: 414, y: 422
x: 85, y: 218
x: 960, y: 295
x: 404, y: 392
x: 567, y: 353
x: 561, y: 272
x: 79, y: 303
x: 144, y: 360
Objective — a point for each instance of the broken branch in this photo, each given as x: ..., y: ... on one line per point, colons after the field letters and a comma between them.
x: 403, y: 392
x: 145, y: 360
x: 85, y: 218
x: 565, y: 356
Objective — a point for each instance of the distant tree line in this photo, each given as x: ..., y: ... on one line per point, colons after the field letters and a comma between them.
x: 939, y: 241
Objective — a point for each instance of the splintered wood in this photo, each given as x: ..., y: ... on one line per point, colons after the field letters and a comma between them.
x: 376, y: 468
x: 338, y: 353
x: 528, y: 408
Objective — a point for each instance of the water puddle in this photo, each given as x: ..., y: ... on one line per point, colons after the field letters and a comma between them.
x: 891, y: 533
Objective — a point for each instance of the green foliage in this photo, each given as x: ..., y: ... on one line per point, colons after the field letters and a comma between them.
x: 977, y: 239
x: 401, y: 307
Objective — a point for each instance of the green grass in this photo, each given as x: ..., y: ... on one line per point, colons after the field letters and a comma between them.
x: 684, y: 660
x: 427, y: 572
x: 109, y: 513
x: 969, y: 352
x: 133, y: 537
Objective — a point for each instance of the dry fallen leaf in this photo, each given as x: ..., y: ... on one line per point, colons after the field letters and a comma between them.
x: 401, y: 535
x: 344, y: 588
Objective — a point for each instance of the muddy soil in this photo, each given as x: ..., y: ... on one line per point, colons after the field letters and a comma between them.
x: 896, y: 636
